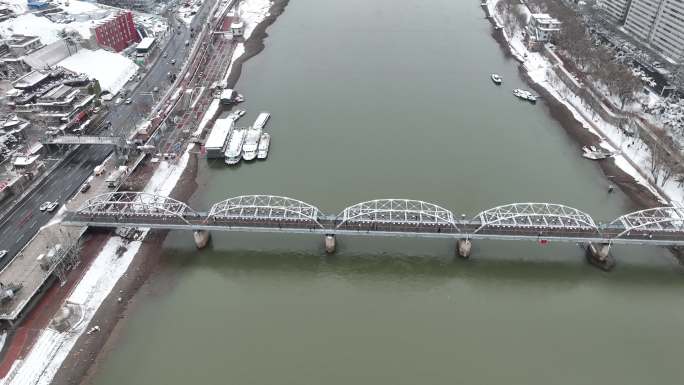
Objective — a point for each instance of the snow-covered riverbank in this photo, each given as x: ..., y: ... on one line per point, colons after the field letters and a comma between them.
x: 51, y: 348
x: 634, y: 155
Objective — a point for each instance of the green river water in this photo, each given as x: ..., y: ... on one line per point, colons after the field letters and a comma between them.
x: 392, y: 99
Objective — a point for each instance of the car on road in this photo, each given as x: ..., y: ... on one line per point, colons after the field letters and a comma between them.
x: 173, y: 61
x: 44, y: 206
x: 129, y: 101
x: 52, y: 206
x: 117, y: 101
x: 85, y: 187
x: 3, y: 253
x: 156, y: 89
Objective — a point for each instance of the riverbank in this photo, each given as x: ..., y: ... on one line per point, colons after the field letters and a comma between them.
x: 90, y: 350
x: 103, y: 291
x: 626, y: 170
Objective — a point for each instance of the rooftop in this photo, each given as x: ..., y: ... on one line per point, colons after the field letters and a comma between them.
x: 50, y: 54
x: 145, y: 43
x: 59, y: 92
x: 31, y: 79
x: 219, y: 133
x: 544, y: 18
x: 21, y: 40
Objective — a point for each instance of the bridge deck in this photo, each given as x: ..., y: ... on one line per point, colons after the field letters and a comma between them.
x: 331, y: 225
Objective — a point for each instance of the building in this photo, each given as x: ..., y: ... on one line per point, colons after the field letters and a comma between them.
x: 21, y: 44
x: 215, y: 144
x: 142, y: 5
x: 59, y: 99
x: 21, y: 55
x: 616, y: 10
x: 116, y: 32
x: 237, y: 28
x: 142, y: 51
x: 659, y: 24
x: 541, y: 28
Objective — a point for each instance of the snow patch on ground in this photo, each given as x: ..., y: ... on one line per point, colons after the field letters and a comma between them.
x: 634, y: 154
x: 187, y: 13
x: 211, y: 111
x: 239, y: 51
x: 51, y: 347
x: 110, y: 69
x: 253, y: 12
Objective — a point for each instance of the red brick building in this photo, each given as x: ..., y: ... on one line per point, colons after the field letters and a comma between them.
x: 116, y: 32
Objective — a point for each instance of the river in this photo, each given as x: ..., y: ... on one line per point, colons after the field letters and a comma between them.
x: 383, y: 99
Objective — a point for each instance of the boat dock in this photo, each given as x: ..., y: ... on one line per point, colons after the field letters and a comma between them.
x: 216, y: 141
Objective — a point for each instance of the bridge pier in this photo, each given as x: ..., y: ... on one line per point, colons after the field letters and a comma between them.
x: 463, y: 248
x: 330, y: 243
x: 202, y: 238
x: 598, y: 254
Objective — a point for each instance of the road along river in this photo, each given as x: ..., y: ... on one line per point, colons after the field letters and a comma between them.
x: 375, y: 100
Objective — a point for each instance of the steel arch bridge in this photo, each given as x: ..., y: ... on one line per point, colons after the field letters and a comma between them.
x: 662, y: 226
x: 264, y: 208
x: 136, y: 204
x: 658, y: 219
x: 407, y: 212
x: 535, y: 215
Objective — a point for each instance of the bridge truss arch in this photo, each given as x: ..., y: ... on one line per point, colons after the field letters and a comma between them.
x: 658, y: 219
x: 536, y: 215
x: 265, y: 207
x: 136, y: 203
x: 397, y: 211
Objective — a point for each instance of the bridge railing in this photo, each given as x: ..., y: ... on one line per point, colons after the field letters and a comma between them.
x: 388, y: 215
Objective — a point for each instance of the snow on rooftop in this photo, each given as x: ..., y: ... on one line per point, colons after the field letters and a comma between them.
x: 74, y: 7
x: 84, y: 13
x: 29, y: 24
x: 219, y: 134
x: 110, y: 69
x: 145, y: 43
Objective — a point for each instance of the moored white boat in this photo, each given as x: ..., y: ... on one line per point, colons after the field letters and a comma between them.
x: 497, y: 79
x: 525, y: 95
x: 594, y: 153
x: 261, y: 120
x: 233, y: 152
x: 249, y: 149
x: 237, y: 114
x: 264, y: 144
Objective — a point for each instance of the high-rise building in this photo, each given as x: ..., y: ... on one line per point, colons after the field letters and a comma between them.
x: 615, y: 9
x: 117, y: 31
x: 660, y: 24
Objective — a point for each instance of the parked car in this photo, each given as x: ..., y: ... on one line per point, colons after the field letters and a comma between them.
x: 3, y: 253
x: 173, y: 61
x: 44, y: 206
x: 129, y: 101
x: 85, y: 187
x: 118, y: 101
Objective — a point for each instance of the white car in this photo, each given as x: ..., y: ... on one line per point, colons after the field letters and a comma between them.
x: 3, y: 253
x: 44, y: 206
x: 117, y: 101
x: 129, y: 101
x: 52, y: 206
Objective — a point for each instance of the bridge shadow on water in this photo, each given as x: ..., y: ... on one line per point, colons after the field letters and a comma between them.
x: 560, y: 265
